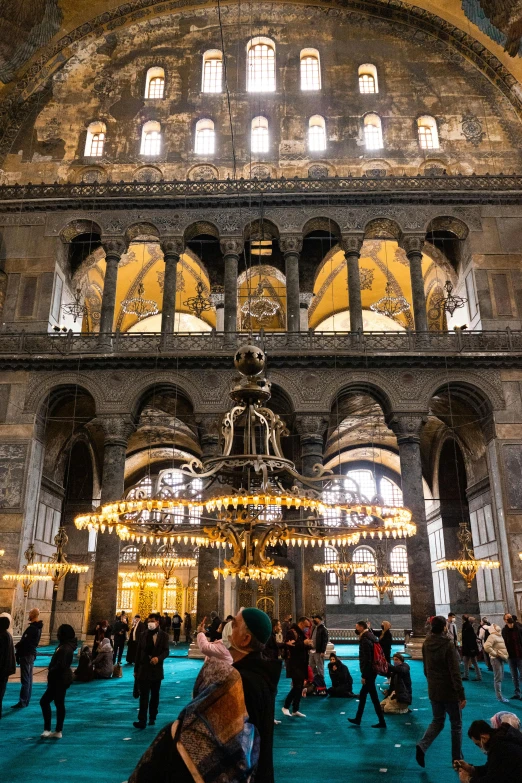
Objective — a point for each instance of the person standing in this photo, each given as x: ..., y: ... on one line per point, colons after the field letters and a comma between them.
x: 386, y: 639
x: 286, y: 625
x: 25, y: 651
x: 135, y: 632
x: 496, y: 650
x: 512, y: 634
x: 367, y: 641
x: 213, y: 629
x: 153, y: 648
x: 250, y: 631
x: 176, y: 622
x: 469, y: 647
x: 319, y: 644
x: 7, y: 657
x: 102, y: 631
x: 187, y: 622
x: 445, y: 689
x: 59, y: 678
x: 297, y: 650
x: 483, y: 634
x: 452, y: 629
x: 121, y: 628
x: 273, y: 646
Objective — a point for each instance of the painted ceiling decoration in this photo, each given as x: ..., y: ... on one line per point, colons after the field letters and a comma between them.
x: 24, y: 28
x: 500, y: 19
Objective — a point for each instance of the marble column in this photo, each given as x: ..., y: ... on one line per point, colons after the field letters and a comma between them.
x: 290, y: 248
x: 172, y: 248
x: 209, y: 429
x: 352, y: 244
x: 310, y: 584
x: 114, y: 249
x: 117, y: 430
x: 305, y: 300
x: 407, y: 428
x: 231, y: 247
x: 413, y: 244
x: 218, y: 301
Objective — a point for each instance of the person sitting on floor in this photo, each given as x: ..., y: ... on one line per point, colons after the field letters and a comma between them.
x: 103, y: 665
x: 84, y: 671
x: 503, y: 747
x: 505, y: 717
x: 399, y: 695
x: 342, y: 681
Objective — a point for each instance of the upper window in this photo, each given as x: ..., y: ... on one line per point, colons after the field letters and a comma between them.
x: 212, y: 71
x: 428, y: 133
x: 369, y: 487
x: 399, y: 567
x: 368, y: 79
x: 364, y: 592
x: 155, y: 84
x: 316, y: 133
x: 310, y: 70
x: 205, y: 137
x: 259, y: 134
x: 261, y: 65
x: 95, y: 140
x: 372, y: 132
x: 151, y: 138
x: 331, y: 555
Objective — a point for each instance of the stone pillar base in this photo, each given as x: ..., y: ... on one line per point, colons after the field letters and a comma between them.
x: 414, y: 647
x: 194, y: 651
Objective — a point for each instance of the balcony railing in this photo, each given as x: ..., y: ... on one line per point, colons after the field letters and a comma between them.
x: 274, y: 343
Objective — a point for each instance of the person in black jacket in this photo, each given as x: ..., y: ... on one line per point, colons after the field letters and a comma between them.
x: 469, y: 647
x: 25, y: 655
x: 319, y: 644
x: 503, y: 747
x: 188, y: 627
x: 297, y: 650
x: 135, y: 632
x: 7, y: 657
x: 153, y: 648
x: 250, y: 631
x: 121, y: 627
x: 366, y: 642
x: 386, y: 639
x: 399, y: 694
x: 59, y: 678
x: 342, y: 681
x: 176, y: 623
x: 213, y: 629
x: 272, y: 649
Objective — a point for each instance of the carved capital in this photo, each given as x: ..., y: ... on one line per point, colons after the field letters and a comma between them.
x: 172, y: 248
x: 116, y: 429
x: 305, y: 299
x: 291, y: 244
x: 413, y: 244
x: 114, y: 248
x: 407, y: 427
x: 231, y: 246
x: 312, y: 425
x: 352, y: 243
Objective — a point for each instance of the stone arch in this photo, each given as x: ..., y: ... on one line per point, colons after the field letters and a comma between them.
x: 77, y: 227
x: 42, y: 388
x: 382, y: 228
x: 257, y: 229
x: 152, y: 383
x: 322, y: 224
x: 200, y: 227
x: 141, y: 231
x: 375, y: 387
x: 286, y: 387
x: 473, y: 389
x: 449, y: 223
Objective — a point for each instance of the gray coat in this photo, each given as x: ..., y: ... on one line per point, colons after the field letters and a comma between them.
x: 442, y: 669
x: 103, y: 665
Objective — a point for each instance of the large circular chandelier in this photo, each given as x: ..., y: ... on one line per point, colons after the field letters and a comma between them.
x: 139, y: 306
x: 58, y: 566
x: 467, y: 564
x: 260, y: 307
x: 389, y: 305
x: 168, y: 561
x: 250, y: 499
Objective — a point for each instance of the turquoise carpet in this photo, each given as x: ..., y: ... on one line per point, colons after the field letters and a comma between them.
x: 99, y: 739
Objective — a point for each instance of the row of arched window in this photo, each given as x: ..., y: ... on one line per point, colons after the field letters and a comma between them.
x: 365, y: 555
x: 205, y: 136
x: 261, y: 71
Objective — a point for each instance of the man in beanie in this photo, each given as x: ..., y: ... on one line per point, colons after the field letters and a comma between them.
x: 251, y: 629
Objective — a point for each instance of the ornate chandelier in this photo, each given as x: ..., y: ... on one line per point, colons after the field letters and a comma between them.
x: 260, y: 307
x: 141, y: 578
x: 198, y: 304
x: 343, y: 569
x: 25, y: 578
x: 384, y: 582
x: 58, y: 566
x: 467, y: 564
x: 250, y: 497
x: 448, y: 302
x: 139, y: 306
x: 76, y: 308
x: 168, y: 561
x: 389, y: 305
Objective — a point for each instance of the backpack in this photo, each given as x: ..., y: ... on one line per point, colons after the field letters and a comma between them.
x: 379, y: 663
x: 319, y: 685
x: 117, y: 672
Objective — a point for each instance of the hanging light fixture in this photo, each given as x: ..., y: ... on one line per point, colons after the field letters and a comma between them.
x: 342, y: 568
x: 382, y: 580
x: 76, y: 308
x: 467, y: 564
x: 448, y: 302
x: 389, y: 305
x: 58, y: 566
x: 259, y: 306
x: 168, y: 561
x: 198, y: 304
x: 139, y: 306
x: 25, y: 578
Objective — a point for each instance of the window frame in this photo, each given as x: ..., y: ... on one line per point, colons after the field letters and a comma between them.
x: 264, y: 126
x: 150, y: 127
x: 155, y: 72
x: 95, y: 128
x: 319, y: 123
x: 253, y: 80
x: 427, y: 122
x: 212, y: 55
x: 201, y: 137
x: 305, y: 55
x: 367, y: 69
x: 378, y: 126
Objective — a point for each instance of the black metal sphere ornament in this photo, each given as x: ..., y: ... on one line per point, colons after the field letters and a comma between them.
x: 250, y: 360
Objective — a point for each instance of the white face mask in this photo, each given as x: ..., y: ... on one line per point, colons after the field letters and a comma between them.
x: 151, y: 626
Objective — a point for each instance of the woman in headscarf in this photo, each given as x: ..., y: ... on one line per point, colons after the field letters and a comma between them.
x: 211, y: 740
x: 218, y: 649
x: 386, y: 639
x: 505, y: 717
x: 103, y: 666
x: 342, y: 682
x: 84, y: 671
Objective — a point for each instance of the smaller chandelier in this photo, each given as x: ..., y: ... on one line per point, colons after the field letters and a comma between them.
x: 260, y: 307
x: 75, y: 308
x: 383, y: 582
x: 25, y: 578
x: 467, y: 564
x: 198, y: 304
x: 58, y: 566
x: 257, y: 574
x: 449, y: 302
x: 168, y: 561
x: 389, y: 305
x: 139, y: 306
x: 343, y: 570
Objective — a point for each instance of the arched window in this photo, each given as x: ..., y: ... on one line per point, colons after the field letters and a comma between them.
x: 428, y: 133
x: 316, y: 133
x: 95, y: 140
x: 331, y: 555
x: 368, y: 79
x: 212, y: 71
x: 399, y: 567
x: 372, y: 132
x: 259, y: 134
x: 151, y: 138
x: 391, y: 493
x: 129, y: 554
x: 205, y: 137
x: 310, y: 70
x: 155, y: 83
x: 261, y: 65
x: 364, y: 593
x: 365, y: 481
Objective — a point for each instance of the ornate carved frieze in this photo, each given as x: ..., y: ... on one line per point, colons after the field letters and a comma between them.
x: 231, y: 246
x: 172, y: 247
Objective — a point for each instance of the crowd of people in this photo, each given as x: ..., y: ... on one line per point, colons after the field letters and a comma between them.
x: 237, y: 686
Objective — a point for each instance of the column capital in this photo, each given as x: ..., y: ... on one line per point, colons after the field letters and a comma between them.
x: 291, y: 244
x: 407, y: 426
x: 172, y: 247
x: 114, y: 247
x: 305, y: 299
x: 231, y: 246
x: 312, y: 425
x: 351, y: 243
x: 413, y: 243
x: 116, y: 429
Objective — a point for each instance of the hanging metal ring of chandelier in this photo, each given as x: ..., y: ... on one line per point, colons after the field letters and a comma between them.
x: 139, y: 306
x: 389, y: 305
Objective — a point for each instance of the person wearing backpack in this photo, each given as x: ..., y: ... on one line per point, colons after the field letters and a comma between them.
x: 371, y: 663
